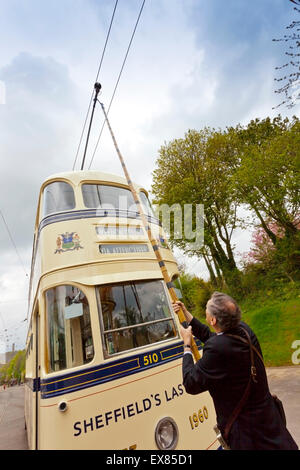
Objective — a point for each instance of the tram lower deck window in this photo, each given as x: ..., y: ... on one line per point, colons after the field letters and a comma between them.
x: 135, y: 314
x: 70, y: 341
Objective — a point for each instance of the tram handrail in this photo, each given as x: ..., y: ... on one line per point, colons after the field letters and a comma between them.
x: 138, y: 324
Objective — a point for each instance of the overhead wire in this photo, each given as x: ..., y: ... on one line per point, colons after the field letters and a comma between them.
x: 98, y: 72
x: 13, y: 243
x: 22, y: 264
x: 118, y: 80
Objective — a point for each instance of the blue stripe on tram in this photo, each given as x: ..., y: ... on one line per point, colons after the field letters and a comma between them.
x: 110, y: 371
x: 92, y: 213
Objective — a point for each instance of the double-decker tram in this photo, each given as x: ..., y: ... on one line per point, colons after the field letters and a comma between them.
x: 103, y: 351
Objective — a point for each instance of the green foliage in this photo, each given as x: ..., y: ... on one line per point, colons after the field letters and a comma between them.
x: 275, y: 269
x: 15, y: 369
x: 267, y: 176
x: 196, y: 293
x: 286, y: 257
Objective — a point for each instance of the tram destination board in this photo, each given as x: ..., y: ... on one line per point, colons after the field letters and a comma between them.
x: 123, y: 248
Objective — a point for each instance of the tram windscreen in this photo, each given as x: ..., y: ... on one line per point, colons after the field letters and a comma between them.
x: 135, y: 314
x: 146, y: 204
x: 113, y: 197
x: 109, y: 197
x: 58, y: 196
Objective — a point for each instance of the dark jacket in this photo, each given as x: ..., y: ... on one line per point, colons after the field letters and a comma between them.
x: 224, y: 371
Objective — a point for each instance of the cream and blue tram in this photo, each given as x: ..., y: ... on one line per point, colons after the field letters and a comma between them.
x: 103, y: 351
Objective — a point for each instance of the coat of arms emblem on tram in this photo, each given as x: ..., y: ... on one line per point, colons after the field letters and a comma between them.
x: 67, y: 242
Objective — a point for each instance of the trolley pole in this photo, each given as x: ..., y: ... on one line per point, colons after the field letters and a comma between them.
x: 97, y: 87
x: 152, y: 240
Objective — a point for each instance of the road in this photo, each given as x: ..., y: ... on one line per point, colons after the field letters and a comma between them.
x: 283, y: 381
x: 12, y: 429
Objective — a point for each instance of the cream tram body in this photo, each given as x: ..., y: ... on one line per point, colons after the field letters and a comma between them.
x: 103, y: 352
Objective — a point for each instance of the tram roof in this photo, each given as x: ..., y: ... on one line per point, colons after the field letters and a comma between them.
x: 76, y: 177
x: 88, y: 175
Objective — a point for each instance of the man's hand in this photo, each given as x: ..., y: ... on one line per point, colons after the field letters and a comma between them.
x: 186, y: 334
x: 180, y: 305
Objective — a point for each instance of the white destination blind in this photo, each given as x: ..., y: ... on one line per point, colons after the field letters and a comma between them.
x: 119, y: 231
x: 123, y: 248
x: 73, y: 310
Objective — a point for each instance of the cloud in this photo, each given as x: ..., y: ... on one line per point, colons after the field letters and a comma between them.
x: 13, y: 302
x: 41, y: 108
x: 38, y: 130
x: 192, y: 64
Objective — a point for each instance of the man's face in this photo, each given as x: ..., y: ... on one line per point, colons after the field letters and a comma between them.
x: 210, y: 319
x: 207, y: 314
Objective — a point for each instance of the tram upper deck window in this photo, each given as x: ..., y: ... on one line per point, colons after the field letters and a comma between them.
x: 135, y: 314
x: 70, y: 341
x: 146, y: 204
x: 110, y: 197
x: 58, y: 196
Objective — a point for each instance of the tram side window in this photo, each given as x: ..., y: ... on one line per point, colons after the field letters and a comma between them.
x: 69, y: 334
x: 108, y: 197
x: 57, y: 197
x: 135, y: 314
x: 146, y: 204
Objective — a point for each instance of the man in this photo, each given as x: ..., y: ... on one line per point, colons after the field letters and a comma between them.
x: 224, y: 370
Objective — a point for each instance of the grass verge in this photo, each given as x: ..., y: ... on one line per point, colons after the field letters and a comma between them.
x: 276, y: 324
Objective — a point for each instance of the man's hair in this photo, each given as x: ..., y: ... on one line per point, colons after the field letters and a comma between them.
x: 225, y: 309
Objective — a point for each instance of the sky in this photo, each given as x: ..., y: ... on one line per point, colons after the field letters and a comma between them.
x: 192, y: 63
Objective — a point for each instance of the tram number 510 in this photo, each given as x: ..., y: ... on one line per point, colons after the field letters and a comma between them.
x: 150, y: 359
x: 198, y: 418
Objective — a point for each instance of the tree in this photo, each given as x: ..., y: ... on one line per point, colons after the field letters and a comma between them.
x: 15, y: 369
x: 279, y: 261
x: 291, y: 87
x: 262, y: 247
x: 266, y: 172
x: 194, y: 170
x: 255, y: 167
